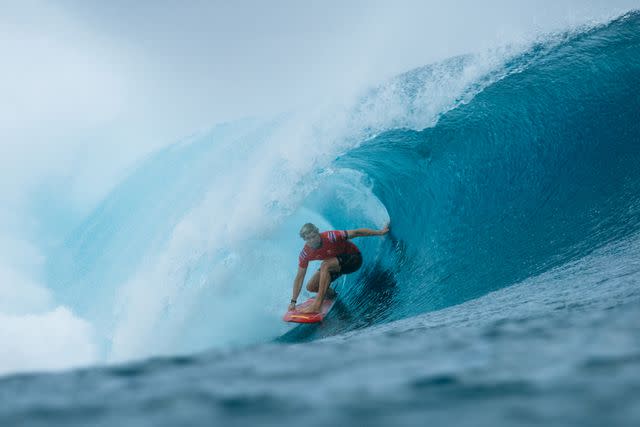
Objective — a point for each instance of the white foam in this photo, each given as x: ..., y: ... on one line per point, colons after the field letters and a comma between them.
x: 36, y: 335
x: 51, y: 340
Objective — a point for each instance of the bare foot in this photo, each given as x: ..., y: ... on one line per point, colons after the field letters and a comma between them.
x: 310, y: 309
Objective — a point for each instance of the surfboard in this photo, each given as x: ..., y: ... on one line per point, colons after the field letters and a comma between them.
x: 296, y: 316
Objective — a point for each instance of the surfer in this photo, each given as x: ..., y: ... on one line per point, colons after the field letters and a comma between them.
x: 339, y: 256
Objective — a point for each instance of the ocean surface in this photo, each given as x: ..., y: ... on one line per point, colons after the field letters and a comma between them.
x: 507, y: 292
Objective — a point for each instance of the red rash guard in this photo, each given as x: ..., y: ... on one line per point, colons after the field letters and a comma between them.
x: 334, y: 243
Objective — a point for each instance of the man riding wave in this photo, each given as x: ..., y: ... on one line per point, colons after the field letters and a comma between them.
x: 338, y: 254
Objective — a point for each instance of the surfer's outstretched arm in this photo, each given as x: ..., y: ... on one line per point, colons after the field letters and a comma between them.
x: 364, y: 232
x: 297, y: 285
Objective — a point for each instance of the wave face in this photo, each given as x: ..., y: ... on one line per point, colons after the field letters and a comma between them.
x: 540, y: 168
x: 491, y: 171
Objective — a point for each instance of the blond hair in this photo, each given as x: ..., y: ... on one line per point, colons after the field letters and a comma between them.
x: 308, y: 228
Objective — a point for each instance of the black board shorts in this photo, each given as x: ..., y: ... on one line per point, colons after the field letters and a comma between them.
x: 349, y: 263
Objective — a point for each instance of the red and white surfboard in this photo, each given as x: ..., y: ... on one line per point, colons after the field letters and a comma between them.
x: 296, y: 316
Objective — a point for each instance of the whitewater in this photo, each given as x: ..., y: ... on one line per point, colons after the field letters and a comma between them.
x: 506, y: 292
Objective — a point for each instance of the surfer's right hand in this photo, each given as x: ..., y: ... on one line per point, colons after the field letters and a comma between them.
x: 292, y: 306
x: 385, y: 229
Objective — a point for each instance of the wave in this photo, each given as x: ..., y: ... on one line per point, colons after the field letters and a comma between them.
x: 492, y: 168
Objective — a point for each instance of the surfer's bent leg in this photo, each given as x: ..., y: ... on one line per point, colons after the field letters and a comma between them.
x: 330, y: 265
x: 314, y: 282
